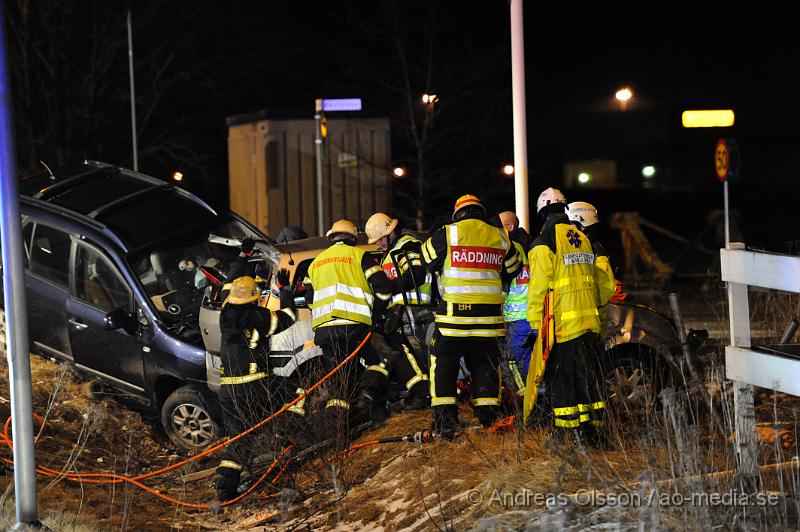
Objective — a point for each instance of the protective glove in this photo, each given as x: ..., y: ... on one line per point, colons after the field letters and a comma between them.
x: 247, y: 246
x: 392, y: 319
x: 282, y: 279
x: 531, y: 339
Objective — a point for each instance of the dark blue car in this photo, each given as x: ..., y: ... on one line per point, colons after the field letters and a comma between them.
x: 113, y: 285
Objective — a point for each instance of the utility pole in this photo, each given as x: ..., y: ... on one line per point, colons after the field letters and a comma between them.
x: 520, y: 127
x: 19, y: 362
x: 318, y: 143
x: 133, y: 95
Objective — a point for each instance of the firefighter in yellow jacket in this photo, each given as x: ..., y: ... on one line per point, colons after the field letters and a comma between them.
x: 562, y: 264
x: 345, y: 286
x: 472, y: 259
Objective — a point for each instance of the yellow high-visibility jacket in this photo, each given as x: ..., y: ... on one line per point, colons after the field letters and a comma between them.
x: 340, y: 278
x: 562, y: 261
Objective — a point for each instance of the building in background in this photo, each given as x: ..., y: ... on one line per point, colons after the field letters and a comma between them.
x: 272, y: 168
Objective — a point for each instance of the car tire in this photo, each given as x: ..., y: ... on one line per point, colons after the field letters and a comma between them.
x: 631, y: 386
x: 190, y: 419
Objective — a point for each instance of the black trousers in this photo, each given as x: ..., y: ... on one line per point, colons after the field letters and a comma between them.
x: 243, y: 405
x: 338, y: 405
x: 408, y: 367
x: 482, y: 357
x: 574, y: 387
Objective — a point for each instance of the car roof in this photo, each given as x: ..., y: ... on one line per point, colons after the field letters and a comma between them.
x: 135, y: 208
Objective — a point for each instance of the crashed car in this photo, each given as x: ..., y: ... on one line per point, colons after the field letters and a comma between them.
x: 643, y: 355
x: 114, y: 286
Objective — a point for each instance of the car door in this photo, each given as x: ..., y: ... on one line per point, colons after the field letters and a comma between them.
x: 47, y: 252
x: 99, y: 288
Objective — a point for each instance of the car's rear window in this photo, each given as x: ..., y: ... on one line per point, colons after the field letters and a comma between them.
x: 90, y: 195
x: 155, y: 218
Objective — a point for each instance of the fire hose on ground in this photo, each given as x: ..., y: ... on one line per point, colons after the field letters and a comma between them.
x: 113, y: 478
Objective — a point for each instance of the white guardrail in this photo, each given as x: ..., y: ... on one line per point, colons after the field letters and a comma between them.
x: 740, y: 269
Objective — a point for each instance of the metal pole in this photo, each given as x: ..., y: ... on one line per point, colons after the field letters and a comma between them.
x: 133, y: 95
x: 318, y: 143
x: 727, y: 214
x: 520, y: 127
x: 19, y: 363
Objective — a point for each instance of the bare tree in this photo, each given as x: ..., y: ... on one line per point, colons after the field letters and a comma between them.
x: 403, y: 50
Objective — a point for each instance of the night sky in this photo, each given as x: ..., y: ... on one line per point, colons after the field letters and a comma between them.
x: 199, y: 62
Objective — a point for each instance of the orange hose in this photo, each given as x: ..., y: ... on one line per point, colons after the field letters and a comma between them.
x: 113, y: 478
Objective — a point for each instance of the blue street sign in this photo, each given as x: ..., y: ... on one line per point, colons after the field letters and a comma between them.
x: 342, y: 104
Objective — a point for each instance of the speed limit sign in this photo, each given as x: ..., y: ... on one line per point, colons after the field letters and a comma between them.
x: 722, y: 160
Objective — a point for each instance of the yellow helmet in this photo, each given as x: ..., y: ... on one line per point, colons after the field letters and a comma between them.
x: 343, y: 226
x: 465, y: 201
x: 243, y: 290
x: 378, y: 226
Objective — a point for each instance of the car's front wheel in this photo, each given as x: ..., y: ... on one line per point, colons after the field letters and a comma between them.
x: 190, y: 419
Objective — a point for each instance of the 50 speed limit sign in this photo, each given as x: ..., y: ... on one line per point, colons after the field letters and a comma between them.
x: 722, y: 160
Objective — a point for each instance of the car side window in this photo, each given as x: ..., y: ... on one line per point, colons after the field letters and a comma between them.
x: 98, y: 283
x: 48, y: 253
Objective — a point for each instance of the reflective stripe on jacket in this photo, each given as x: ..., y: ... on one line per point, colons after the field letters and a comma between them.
x: 570, y: 273
x: 341, y: 290
x: 515, y: 305
x: 409, y: 259
x: 475, y: 257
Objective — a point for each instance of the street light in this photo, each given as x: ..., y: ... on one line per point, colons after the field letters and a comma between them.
x: 399, y: 172
x: 583, y: 177
x: 428, y: 98
x: 177, y: 176
x: 624, y: 95
x: 508, y: 170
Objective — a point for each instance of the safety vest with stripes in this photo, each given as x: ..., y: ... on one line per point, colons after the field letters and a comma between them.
x: 411, y: 256
x: 341, y: 292
x: 516, y: 302
x: 475, y: 258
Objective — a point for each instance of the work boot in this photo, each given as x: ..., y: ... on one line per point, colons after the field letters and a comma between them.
x: 227, y: 484
x: 445, y: 420
x: 416, y: 402
x: 487, y: 415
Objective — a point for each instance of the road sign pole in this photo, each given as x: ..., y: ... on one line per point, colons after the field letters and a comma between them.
x: 727, y: 214
x: 318, y: 143
x: 19, y: 361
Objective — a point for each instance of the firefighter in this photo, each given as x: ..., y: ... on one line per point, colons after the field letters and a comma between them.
x: 346, y: 286
x: 584, y: 216
x: 411, y: 286
x: 562, y: 265
x: 472, y: 260
x: 518, y: 330
x: 244, y: 384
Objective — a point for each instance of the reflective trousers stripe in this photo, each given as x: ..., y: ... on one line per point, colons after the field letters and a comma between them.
x: 568, y: 423
x: 337, y: 403
x: 230, y: 464
x: 592, y: 406
x: 379, y: 369
x: 437, y: 401
x: 243, y: 380
x: 414, y: 380
x: 486, y: 401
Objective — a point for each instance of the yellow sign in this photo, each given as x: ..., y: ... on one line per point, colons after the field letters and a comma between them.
x: 722, y: 160
x: 709, y: 118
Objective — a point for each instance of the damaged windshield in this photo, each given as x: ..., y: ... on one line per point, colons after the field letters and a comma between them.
x: 170, y: 272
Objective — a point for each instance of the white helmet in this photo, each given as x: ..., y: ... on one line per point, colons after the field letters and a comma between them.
x: 551, y: 195
x: 582, y: 212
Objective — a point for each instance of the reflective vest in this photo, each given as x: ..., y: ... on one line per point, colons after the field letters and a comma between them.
x: 403, y: 262
x: 516, y: 303
x: 341, y: 292
x: 573, y: 283
x: 475, y: 257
